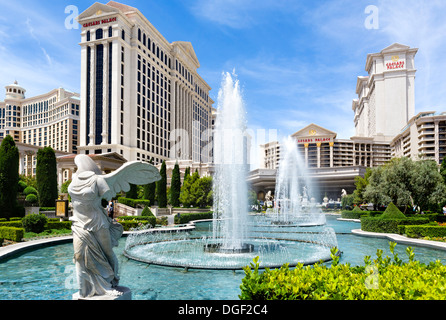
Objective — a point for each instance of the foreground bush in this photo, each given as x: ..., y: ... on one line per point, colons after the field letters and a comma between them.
x: 380, y: 279
x: 34, y: 223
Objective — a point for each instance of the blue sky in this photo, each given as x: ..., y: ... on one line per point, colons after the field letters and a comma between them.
x: 297, y: 61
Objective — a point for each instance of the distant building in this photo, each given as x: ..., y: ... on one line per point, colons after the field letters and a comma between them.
x: 384, y: 106
x: 424, y: 137
x: 137, y: 89
x: 50, y: 119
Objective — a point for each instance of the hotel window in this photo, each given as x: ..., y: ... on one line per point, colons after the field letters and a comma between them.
x: 99, y: 34
x: 110, y: 32
x: 123, y: 35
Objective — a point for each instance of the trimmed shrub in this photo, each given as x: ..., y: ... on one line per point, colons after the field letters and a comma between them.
x: 11, y: 233
x: 130, y: 224
x: 14, y: 224
x: 186, y: 217
x: 22, y: 186
x: 30, y: 190
x: 47, y: 209
x: 417, y: 231
x: 58, y: 225
x: 134, y: 203
x: 377, y: 224
x: 46, y: 176
x: 31, y: 198
x: 392, y: 212
x: 34, y: 223
x: 390, y: 280
x: 146, y: 212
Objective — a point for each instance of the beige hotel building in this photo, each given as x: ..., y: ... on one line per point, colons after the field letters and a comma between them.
x: 137, y: 88
x: 50, y: 119
x: 385, y: 126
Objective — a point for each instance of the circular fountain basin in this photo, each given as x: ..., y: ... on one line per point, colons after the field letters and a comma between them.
x: 198, y: 249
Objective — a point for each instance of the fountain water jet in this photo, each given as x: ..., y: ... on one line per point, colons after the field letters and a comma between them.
x: 294, y: 190
x: 233, y: 238
x: 229, y: 188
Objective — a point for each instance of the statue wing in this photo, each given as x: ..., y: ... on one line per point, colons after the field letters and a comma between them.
x: 135, y: 172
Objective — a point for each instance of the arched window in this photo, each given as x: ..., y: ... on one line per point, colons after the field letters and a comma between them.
x: 99, y: 34
x: 110, y: 32
x: 144, y: 39
x: 88, y: 35
x: 139, y: 35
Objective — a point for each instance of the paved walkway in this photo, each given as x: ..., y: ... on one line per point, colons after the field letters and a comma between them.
x: 402, y: 239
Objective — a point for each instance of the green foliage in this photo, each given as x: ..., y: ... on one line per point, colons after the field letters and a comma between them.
x: 383, y: 278
x: 134, y: 203
x: 347, y: 201
x: 129, y: 222
x: 190, y: 216
x: 46, y: 175
x: 175, y: 188
x: 34, y: 223
x: 420, y: 231
x: 22, y: 186
x: 186, y: 196
x: 30, y: 190
x: 146, y: 212
x: 392, y: 212
x: 389, y: 225
x: 12, y: 233
x: 406, y: 183
x: 161, y: 187
x: 9, y: 177
x: 361, y: 184
x: 133, y: 192
x: 31, y: 198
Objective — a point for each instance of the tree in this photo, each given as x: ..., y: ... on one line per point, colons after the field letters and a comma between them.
x: 133, y: 192
x: 46, y: 176
x: 186, y: 174
x: 427, y: 184
x: 405, y: 182
x: 150, y: 190
x: 186, y: 196
x: 443, y: 170
x: 161, y: 187
x: 200, y: 190
x: 374, y: 192
x: 9, y: 177
x: 175, y: 186
x: 361, y: 183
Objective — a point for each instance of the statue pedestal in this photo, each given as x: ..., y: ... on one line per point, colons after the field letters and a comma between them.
x: 126, y: 295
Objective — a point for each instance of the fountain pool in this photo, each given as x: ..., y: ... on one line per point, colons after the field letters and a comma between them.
x: 48, y: 273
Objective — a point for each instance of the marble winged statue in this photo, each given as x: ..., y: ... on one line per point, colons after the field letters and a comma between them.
x: 94, y: 232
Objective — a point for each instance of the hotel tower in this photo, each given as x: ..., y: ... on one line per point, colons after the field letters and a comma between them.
x: 141, y: 96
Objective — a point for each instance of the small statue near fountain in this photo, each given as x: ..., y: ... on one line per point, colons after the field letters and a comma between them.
x: 94, y: 232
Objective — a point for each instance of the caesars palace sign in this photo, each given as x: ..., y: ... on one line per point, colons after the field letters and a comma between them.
x: 98, y: 22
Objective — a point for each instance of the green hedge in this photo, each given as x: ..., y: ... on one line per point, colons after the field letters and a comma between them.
x: 14, y: 224
x: 129, y: 224
x: 376, y: 224
x: 58, y: 225
x: 189, y: 216
x: 12, y: 233
x: 133, y: 202
x: 351, y: 214
x: 1, y: 242
x: 420, y: 231
x: 380, y: 279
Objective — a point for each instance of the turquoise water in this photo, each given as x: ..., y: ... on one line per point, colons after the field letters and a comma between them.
x: 48, y: 273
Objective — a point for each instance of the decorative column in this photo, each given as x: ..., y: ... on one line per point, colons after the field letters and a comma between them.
x: 105, y: 97
x: 331, y: 154
x: 306, y: 154
x: 437, y: 142
x: 92, y: 93
x: 318, y: 145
